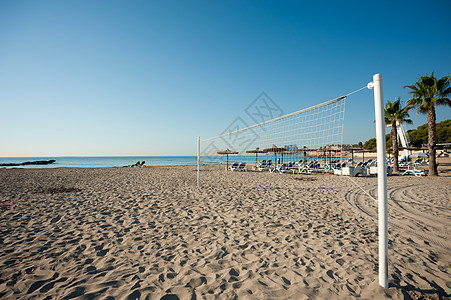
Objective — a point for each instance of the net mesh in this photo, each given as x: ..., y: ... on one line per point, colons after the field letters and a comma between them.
x: 317, y: 127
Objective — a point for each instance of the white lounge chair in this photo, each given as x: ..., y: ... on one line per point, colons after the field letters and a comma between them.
x: 415, y: 172
x: 373, y: 170
x: 233, y: 166
x: 284, y: 168
x: 241, y: 167
x: 353, y: 171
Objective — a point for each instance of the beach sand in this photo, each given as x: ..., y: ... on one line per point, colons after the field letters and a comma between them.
x: 150, y: 233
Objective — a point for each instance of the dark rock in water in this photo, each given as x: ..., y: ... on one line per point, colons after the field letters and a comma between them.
x: 38, y: 162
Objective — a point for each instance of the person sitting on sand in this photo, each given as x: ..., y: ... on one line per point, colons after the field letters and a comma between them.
x: 136, y: 165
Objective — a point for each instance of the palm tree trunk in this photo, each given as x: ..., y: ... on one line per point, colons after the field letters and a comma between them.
x: 432, y: 141
x: 394, y: 138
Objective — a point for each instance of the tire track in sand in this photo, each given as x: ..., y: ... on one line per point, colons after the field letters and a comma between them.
x: 360, y: 201
x: 401, y: 197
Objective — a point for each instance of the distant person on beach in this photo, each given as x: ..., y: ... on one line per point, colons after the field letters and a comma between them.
x: 136, y: 165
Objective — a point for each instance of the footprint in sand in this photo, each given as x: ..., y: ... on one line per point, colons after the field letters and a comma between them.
x: 134, y: 295
x: 196, y: 282
x: 170, y: 297
x: 286, y: 281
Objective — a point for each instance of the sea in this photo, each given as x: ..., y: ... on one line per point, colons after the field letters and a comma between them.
x: 103, y: 161
x: 125, y: 161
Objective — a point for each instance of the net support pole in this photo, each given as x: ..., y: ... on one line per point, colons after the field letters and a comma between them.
x: 198, y: 160
x: 381, y: 180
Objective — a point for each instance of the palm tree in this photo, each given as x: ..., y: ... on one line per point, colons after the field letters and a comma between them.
x: 427, y: 93
x: 395, y: 115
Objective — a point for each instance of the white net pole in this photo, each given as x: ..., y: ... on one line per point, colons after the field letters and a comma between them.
x: 342, y: 130
x: 381, y: 179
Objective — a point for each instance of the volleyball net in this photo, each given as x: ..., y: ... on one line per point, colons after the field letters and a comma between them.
x: 311, y: 129
x: 316, y: 128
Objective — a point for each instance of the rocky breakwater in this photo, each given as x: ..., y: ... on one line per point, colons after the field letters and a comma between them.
x: 27, y: 163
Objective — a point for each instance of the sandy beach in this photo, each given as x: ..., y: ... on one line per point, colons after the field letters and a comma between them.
x: 150, y: 233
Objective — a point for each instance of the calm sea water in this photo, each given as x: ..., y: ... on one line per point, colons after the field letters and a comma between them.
x: 120, y: 161
x: 103, y: 161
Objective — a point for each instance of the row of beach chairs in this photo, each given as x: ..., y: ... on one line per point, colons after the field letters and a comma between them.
x: 238, y: 167
x: 335, y: 166
x: 290, y: 167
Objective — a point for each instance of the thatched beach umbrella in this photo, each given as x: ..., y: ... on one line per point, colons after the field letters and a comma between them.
x: 352, y: 152
x: 418, y: 155
x: 285, y: 152
x: 366, y: 150
x: 410, y: 149
x: 305, y: 150
x: 331, y: 149
x: 227, y: 152
x: 324, y: 155
x: 276, y: 150
x: 256, y: 151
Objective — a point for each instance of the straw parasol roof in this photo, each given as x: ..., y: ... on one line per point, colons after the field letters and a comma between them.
x: 276, y: 150
x: 367, y: 150
x: 256, y: 151
x: 330, y: 149
x: 305, y: 150
x: 227, y: 152
x: 352, y: 149
x: 285, y: 152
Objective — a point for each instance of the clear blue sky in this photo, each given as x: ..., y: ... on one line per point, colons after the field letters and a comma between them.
x: 147, y: 77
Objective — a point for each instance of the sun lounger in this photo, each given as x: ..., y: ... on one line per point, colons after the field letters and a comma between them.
x: 316, y: 168
x: 373, y: 170
x: 312, y: 167
x: 335, y: 165
x: 258, y: 165
x: 412, y: 170
x: 292, y: 166
x: 240, y: 167
x: 284, y: 168
x: 263, y: 166
x: 268, y: 166
x: 305, y: 168
x: 352, y: 171
x: 233, y: 166
x: 415, y: 172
